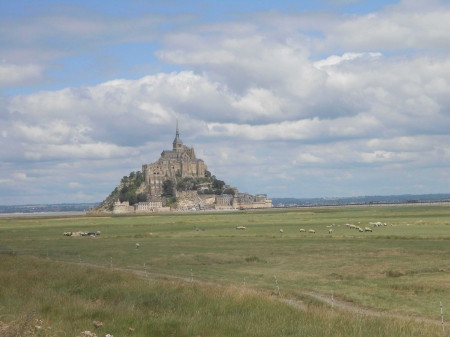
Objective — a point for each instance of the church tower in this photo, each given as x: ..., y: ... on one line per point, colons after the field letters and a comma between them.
x: 177, y: 143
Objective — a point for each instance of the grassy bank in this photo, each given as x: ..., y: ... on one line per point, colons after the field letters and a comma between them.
x: 402, y: 268
x: 66, y: 299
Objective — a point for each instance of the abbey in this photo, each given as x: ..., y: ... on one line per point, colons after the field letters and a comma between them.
x: 181, y: 161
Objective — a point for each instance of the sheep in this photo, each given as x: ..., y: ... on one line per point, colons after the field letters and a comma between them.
x: 137, y: 245
x: 312, y: 231
x: 240, y: 227
x: 302, y: 230
x: 347, y: 225
x: 281, y: 231
x: 352, y: 226
x: 367, y: 229
x: 360, y: 230
x: 330, y: 231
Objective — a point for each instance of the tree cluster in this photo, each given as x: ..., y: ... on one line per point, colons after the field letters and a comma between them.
x: 130, y: 185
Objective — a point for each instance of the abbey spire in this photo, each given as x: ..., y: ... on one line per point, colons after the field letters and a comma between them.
x: 177, y: 143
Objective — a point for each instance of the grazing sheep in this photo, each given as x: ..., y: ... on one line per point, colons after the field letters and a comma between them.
x: 360, y: 230
x: 312, y: 231
x: 302, y: 230
x: 137, y: 245
x: 352, y: 226
x: 347, y: 224
x: 240, y: 227
x: 281, y: 231
x: 330, y: 231
x: 367, y: 229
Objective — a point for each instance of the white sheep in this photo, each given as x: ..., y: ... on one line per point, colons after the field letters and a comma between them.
x: 352, y: 226
x: 302, y: 230
x: 241, y: 227
x: 312, y: 231
x: 367, y: 229
x: 330, y: 231
x: 281, y: 231
x: 137, y: 245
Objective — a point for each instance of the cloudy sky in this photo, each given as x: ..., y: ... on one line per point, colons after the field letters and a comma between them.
x: 289, y: 98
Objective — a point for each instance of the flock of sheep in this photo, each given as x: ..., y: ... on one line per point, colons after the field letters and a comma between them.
x: 330, y: 230
x: 81, y: 233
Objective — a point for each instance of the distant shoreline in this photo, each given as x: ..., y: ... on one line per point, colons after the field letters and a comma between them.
x: 42, y: 214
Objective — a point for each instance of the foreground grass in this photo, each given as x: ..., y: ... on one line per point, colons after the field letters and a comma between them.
x: 401, y: 268
x: 68, y: 298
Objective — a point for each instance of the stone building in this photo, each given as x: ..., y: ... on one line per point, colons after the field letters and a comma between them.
x: 149, y: 206
x: 242, y: 200
x: 179, y: 162
x: 224, y: 199
x: 122, y: 207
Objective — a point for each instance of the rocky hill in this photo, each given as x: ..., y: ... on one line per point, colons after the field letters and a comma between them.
x: 132, y: 188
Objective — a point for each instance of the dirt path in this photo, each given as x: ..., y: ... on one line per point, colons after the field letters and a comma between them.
x: 294, y: 303
x: 369, y: 312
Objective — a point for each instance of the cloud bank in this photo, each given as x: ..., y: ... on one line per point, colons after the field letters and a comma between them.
x: 301, y: 105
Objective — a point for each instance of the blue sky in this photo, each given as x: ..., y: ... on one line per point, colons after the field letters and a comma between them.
x: 290, y: 98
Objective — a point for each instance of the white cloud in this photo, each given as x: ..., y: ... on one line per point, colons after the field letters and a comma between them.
x: 75, y: 185
x: 20, y: 176
x: 12, y: 74
x: 6, y: 181
x: 336, y: 59
x: 257, y: 103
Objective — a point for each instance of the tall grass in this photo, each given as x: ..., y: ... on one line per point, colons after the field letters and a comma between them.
x: 68, y: 298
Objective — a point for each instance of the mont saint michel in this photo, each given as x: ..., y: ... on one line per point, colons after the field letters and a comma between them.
x: 178, y: 180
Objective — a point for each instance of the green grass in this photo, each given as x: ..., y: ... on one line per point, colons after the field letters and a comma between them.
x: 402, y: 268
x: 68, y: 298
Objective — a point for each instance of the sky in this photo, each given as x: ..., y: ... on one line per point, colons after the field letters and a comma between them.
x: 290, y: 98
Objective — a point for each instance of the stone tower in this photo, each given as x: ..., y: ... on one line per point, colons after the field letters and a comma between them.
x: 177, y: 143
x: 179, y: 163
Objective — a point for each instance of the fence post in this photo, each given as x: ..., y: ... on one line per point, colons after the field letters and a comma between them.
x: 332, y: 301
x: 276, y: 282
x: 442, y: 318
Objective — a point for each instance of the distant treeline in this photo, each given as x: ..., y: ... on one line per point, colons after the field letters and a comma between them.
x: 47, y: 208
x: 406, y: 198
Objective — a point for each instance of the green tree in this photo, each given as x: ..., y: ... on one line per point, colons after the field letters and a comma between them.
x: 139, y: 178
x: 167, y: 188
x: 132, y: 199
x: 142, y: 197
x: 218, y: 184
x: 229, y: 191
x: 207, y: 174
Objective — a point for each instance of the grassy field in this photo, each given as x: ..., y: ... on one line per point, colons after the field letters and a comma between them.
x: 402, y: 269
